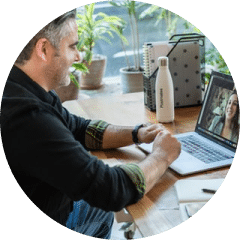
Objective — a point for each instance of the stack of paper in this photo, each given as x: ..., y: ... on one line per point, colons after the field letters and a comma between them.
x: 191, y: 196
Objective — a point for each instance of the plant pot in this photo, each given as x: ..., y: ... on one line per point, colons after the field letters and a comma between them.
x: 70, y: 92
x: 132, y: 81
x: 93, y: 79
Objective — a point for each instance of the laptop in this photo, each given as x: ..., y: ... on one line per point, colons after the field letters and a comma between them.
x: 209, y: 146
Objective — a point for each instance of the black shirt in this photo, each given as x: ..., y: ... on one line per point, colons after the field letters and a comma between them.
x: 45, y: 148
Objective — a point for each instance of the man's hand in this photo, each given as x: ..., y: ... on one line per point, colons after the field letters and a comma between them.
x: 147, y: 134
x: 166, y: 149
x: 167, y: 146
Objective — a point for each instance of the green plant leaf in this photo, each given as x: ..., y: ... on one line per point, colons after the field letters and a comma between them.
x: 214, y: 58
x: 73, y: 79
x: 88, y: 56
x: 105, y: 39
x: 149, y: 11
x: 116, y: 4
x: 80, y: 67
x: 90, y: 9
x: 92, y: 27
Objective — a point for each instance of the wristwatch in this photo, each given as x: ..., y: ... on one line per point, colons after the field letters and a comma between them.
x: 135, y: 132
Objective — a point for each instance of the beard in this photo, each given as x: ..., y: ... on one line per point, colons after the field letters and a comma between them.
x: 60, y: 74
x: 61, y: 70
x: 64, y: 79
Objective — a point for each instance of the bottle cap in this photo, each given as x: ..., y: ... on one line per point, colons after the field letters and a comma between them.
x: 163, y: 61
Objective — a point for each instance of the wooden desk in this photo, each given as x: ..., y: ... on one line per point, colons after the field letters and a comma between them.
x: 158, y: 210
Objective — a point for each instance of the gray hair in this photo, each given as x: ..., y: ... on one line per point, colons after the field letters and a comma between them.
x: 55, y: 31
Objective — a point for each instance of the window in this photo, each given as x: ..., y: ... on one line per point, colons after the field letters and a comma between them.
x: 148, y: 31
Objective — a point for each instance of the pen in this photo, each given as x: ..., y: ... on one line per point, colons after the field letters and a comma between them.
x: 208, y: 191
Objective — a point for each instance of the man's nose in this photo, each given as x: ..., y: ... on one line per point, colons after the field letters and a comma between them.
x: 78, y: 57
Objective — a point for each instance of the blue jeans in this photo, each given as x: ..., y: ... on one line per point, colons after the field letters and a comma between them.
x: 90, y: 221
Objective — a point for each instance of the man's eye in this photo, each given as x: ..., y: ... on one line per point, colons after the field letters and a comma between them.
x: 74, y: 47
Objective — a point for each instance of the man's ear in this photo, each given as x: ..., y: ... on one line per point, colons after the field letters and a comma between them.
x: 41, y: 48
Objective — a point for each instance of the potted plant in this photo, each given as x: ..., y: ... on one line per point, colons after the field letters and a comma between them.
x: 131, y: 76
x: 91, y: 28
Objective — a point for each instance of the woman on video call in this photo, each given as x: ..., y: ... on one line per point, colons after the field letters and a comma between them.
x: 227, y: 125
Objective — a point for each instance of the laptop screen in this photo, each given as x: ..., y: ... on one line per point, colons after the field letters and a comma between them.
x: 219, y: 116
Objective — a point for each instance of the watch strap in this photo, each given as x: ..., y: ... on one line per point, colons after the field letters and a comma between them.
x: 135, y: 133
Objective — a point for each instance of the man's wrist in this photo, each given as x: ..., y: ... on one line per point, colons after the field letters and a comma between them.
x: 161, y: 156
x: 135, y: 133
x: 160, y: 159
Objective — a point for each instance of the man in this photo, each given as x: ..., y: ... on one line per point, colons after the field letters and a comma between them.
x: 46, y: 146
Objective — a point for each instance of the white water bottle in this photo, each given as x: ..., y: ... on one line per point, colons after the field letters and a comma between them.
x: 164, y: 92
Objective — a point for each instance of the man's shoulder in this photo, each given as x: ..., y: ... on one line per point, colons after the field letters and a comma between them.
x: 14, y: 110
x: 20, y: 106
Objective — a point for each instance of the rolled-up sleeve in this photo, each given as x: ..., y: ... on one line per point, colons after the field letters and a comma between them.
x: 94, y: 140
x: 94, y: 134
x: 136, y: 175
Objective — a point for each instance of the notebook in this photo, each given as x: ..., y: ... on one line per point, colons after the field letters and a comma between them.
x: 191, y: 197
x: 151, y: 52
x: 208, y: 147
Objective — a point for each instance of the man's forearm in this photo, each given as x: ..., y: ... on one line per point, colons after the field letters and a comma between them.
x: 117, y: 136
x: 153, y: 169
x: 166, y: 149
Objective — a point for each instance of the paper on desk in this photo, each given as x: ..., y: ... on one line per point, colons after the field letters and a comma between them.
x: 191, y: 190
x: 190, y: 196
x: 192, y: 208
x: 187, y: 210
x: 168, y: 200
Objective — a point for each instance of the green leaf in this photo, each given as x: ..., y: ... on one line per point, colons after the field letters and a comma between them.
x: 149, y: 11
x: 80, y: 67
x: 90, y: 10
x: 88, y: 56
x: 105, y: 39
x: 92, y: 27
x: 73, y: 79
x: 115, y: 4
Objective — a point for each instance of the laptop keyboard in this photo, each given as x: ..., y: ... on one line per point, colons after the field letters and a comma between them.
x: 202, y: 151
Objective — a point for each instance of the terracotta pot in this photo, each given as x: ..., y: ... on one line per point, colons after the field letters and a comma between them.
x: 69, y: 92
x: 93, y: 79
x: 132, y: 81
